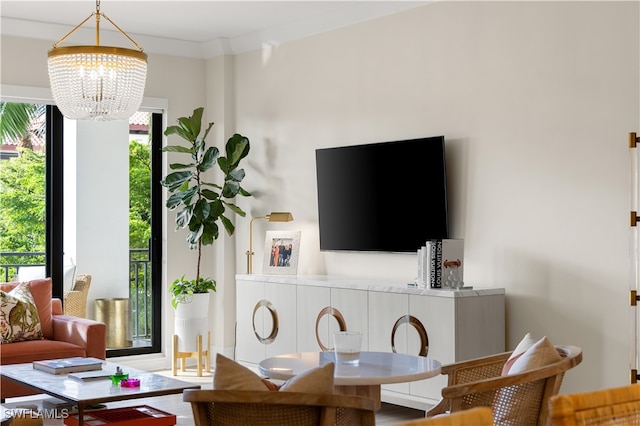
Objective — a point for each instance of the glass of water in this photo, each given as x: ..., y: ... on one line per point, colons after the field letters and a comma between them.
x: 347, y: 347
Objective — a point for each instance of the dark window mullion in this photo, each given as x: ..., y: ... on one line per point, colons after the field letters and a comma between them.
x: 155, y: 246
x: 54, y: 199
x: 156, y: 230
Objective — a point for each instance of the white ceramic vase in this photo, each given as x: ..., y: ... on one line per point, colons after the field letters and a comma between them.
x: 192, y: 318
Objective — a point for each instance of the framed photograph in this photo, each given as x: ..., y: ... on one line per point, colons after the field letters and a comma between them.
x: 281, y: 251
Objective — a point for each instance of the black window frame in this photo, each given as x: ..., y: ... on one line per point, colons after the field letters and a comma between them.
x: 54, y: 228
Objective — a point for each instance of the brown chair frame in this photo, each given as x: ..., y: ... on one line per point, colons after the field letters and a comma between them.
x: 267, y: 408
x: 476, y: 382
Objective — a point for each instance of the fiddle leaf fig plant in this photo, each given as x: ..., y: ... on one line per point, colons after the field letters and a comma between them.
x: 200, y: 204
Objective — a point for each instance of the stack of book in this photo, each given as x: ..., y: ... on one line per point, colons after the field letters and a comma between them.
x: 68, y: 365
x: 440, y: 263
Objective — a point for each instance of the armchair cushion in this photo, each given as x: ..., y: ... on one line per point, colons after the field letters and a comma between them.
x: 526, y: 342
x: 540, y: 354
x: 316, y: 380
x: 229, y: 375
x: 41, y: 291
x: 19, y: 319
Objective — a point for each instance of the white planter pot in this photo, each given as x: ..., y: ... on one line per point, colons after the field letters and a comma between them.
x: 192, y: 318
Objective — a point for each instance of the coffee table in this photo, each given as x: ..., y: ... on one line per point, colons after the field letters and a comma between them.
x: 364, y: 379
x: 97, y: 391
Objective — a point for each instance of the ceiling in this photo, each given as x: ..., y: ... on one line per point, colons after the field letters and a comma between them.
x: 198, y: 29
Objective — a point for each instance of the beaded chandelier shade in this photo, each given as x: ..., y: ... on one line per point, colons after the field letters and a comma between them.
x: 97, y: 82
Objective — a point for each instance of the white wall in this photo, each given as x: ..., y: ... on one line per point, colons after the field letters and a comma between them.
x: 535, y: 99
x: 102, y: 211
x: 96, y: 219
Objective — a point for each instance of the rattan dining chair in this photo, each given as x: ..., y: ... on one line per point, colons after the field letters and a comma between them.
x: 477, y: 416
x: 615, y: 406
x: 268, y: 408
x: 523, y: 397
x: 75, y: 300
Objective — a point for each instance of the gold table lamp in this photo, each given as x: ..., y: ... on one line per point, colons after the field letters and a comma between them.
x: 272, y: 217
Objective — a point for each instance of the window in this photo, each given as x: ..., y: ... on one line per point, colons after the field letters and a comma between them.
x: 91, y: 222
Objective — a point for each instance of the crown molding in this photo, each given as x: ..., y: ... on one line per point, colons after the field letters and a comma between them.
x: 269, y: 37
x: 53, y: 33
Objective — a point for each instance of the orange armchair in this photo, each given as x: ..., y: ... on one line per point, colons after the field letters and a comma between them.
x: 64, y: 336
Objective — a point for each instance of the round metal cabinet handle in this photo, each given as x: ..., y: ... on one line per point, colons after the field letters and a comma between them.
x: 274, y: 316
x: 415, y: 323
x: 337, y: 315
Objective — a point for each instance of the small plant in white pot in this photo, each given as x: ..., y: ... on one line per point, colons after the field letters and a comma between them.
x: 182, y: 289
x: 201, y: 205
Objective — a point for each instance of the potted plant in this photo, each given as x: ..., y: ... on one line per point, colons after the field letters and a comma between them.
x: 201, y: 205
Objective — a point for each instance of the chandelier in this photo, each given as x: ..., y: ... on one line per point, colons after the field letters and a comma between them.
x: 97, y: 82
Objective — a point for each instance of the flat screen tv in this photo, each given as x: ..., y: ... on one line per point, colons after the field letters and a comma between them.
x: 382, y: 197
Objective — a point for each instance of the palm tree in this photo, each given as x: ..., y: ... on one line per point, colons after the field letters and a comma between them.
x: 24, y: 123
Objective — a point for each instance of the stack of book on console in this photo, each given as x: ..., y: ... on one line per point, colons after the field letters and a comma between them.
x: 440, y: 264
x: 68, y: 365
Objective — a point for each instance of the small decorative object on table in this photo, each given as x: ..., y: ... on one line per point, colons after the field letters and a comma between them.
x: 281, y: 252
x: 452, y: 277
x: 130, y: 383
x: 434, y: 260
x: 118, y: 376
x: 88, y: 376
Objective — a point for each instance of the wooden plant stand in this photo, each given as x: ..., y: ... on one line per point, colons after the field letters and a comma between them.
x: 198, y: 354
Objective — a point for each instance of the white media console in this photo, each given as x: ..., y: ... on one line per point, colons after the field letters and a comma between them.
x: 279, y: 314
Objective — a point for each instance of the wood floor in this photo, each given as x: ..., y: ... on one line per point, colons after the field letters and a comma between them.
x: 388, y: 415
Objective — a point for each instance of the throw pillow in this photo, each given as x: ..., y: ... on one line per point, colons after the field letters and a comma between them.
x: 526, y: 342
x: 19, y: 320
x: 515, y: 400
x: 41, y: 292
x: 230, y: 375
x: 540, y: 354
x: 316, y: 380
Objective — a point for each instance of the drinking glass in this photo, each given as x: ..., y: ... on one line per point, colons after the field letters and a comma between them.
x: 347, y: 347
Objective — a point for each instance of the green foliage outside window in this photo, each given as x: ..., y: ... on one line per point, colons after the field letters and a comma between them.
x: 139, y: 194
x: 22, y: 186
x: 22, y: 203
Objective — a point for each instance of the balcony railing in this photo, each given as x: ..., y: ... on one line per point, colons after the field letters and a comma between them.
x: 10, y: 261
x: 140, y: 292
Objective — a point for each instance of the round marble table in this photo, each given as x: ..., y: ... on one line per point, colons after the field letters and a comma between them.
x: 365, y: 379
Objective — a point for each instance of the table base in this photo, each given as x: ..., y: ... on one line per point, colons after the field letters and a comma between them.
x: 367, y: 391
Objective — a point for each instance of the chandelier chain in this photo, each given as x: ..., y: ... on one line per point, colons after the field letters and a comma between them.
x: 98, y: 14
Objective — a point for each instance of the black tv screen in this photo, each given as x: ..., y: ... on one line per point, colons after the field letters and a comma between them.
x: 382, y: 197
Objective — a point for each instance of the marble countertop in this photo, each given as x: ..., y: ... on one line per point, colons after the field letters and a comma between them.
x: 387, y: 286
